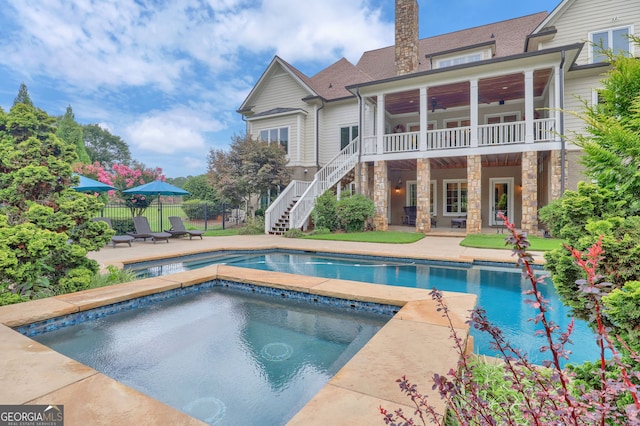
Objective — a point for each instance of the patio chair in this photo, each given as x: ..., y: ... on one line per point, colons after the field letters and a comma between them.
x: 143, y: 230
x: 116, y: 239
x: 178, y: 229
x: 459, y: 221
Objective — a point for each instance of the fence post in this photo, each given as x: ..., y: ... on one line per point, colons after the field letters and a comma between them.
x: 224, y: 211
x: 205, y: 215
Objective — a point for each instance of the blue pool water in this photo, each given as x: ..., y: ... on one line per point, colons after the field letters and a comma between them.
x: 499, y: 290
x: 225, y: 356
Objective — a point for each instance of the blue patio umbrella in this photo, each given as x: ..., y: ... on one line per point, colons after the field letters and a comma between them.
x: 157, y: 188
x: 90, y: 185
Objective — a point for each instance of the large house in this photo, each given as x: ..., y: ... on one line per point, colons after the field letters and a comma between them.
x: 444, y: 130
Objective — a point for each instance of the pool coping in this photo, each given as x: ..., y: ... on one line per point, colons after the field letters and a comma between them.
x: 415, y: 343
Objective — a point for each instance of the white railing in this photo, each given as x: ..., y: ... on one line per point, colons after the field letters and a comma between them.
x: 401, y: 142
x: 501, y: 133
x: 544, y: 129
x: 324, y: 179
x: 294, y: 190
x: 457, y: 137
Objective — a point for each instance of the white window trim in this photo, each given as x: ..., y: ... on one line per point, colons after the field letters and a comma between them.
x: 502, y: 114
x: 433, y: 195
x: 444, y: 196
x: 268, y: 130
x: 630, y: 30
x: 466, y: 57
x: 455, y: 120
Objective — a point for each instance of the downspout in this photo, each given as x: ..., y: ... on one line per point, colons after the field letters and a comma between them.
x: 318, y: 135
x: 561, y: 126
x: 360, y: 130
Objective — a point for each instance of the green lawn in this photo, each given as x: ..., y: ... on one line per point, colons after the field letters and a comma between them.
x: 389, y: 237
x: 496, y: 241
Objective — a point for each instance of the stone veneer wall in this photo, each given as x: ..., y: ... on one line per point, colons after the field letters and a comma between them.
x: 423, y: 213
x: 474, y: 194
x: 380, y: 191
x: 529, y: 223
x: 362, y: 179
x: 556, y: 174
x: 406, y: 48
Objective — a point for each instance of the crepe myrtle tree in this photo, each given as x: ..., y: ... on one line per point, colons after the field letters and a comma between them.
x: 45, y: 225
x: 124, y: 177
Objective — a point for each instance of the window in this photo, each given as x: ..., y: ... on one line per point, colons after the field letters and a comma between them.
x: 455, y: 197
x: 616, y: 39
x: 280, y: 135
x: 347, y: 134
x: 412, y: 195
x: 458, y: 60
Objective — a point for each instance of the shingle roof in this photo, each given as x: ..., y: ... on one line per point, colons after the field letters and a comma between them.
x: 509, y: 37
x: 330, y: 83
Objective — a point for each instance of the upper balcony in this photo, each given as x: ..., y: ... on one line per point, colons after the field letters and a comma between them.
x: 500, y: 110
x: 488, y: 135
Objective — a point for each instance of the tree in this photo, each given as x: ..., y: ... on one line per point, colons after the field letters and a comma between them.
x: 23, y: 96
x: 104, y: 147
x: 71, y: 132
x: 199, y: 188
x: 607, y: 207
x: 250, y: 167
x: 45, y: 226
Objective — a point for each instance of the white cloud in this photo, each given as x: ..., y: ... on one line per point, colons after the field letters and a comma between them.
x: 174, y: 131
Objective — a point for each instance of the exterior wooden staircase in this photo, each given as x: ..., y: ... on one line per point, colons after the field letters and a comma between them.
x: 294, y: 205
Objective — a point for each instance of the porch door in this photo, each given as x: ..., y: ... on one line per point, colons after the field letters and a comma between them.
x: 501, y: 200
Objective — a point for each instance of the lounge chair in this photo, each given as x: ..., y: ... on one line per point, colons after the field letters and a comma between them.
x: 116, y: 239
x: 143, y: 230
x: 178, y: 229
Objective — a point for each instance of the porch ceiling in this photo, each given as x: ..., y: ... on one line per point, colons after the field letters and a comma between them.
x: 490, y: 160
x: 490, y: 90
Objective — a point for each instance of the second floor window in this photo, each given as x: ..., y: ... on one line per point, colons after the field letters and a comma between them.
x: 458, y: 60
x: 280, y: 135
x: 616, y: 40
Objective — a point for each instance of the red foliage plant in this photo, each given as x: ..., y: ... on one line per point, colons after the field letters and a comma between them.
x: 545, y: 393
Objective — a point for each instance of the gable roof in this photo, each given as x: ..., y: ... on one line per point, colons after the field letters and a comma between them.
x: 553, y: 16
x: 509, y: 37
x: 331, y: 82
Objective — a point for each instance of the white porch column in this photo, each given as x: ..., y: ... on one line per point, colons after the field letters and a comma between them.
x: 528, y: 106
x: 380, y: 124
x: 473, y: 110
x: 423, y: 119
x: 557, y: 102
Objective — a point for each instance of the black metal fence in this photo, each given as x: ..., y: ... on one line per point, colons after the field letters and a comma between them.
x: 203, y: 215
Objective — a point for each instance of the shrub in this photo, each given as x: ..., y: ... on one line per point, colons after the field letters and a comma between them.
x: 123, y: 225
x: 294, y: 233
x: 199, y: 210
x: 112, y: 276
x: 325, y: 212
x: 354, y: 211
x: 253, y: 226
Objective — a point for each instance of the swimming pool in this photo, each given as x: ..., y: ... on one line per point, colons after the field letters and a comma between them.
x: 224, y: 355
x: 499, y: 288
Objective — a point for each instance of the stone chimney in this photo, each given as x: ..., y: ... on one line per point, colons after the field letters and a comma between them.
x: 406, y: 36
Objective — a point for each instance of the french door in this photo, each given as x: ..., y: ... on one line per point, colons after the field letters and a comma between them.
x: 501, y: 200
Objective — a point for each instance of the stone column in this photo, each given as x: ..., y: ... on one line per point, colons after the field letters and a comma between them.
x: 474, y: 194
x: 423, y: 179
x: 380, y: 195
x: 555, y: 161
x: 529, y: 222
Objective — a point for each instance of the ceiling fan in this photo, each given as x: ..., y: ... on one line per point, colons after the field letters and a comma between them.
x: 435, y: 105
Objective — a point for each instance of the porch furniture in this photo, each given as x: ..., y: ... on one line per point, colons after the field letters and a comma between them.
x: 178, y: 229
x: 116, y: 239
x: 143, y: 230
x: 459, y: 221
x: 409, y: 217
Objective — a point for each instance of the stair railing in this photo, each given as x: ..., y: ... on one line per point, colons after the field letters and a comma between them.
x: 294, y: 190
x: 324, y: 179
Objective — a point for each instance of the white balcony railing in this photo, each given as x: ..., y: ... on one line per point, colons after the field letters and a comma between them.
x: 544, y: 130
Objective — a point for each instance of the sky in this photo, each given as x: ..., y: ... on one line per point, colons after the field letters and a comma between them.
x: 167, y: 76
